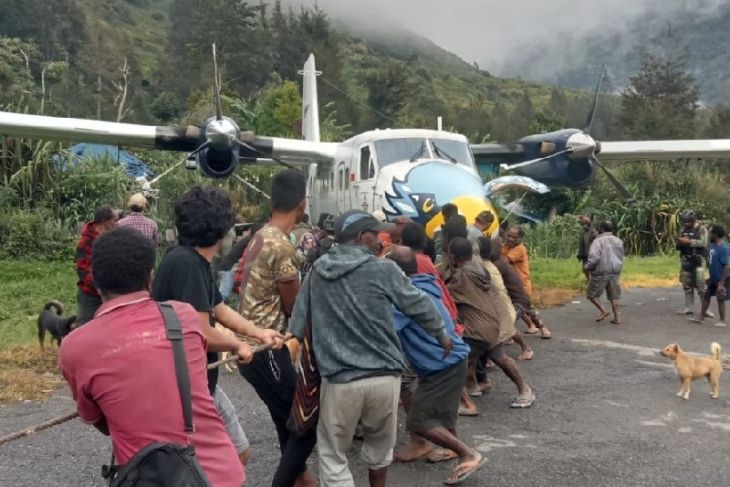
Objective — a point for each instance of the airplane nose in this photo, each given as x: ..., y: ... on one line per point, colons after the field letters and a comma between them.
x: 469, y: 207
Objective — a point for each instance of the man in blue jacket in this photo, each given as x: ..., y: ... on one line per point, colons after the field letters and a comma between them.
x: 434, y: 408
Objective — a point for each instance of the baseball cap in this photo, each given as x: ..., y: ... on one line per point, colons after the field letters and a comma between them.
x: 137, y: 199
x: 351, y: 223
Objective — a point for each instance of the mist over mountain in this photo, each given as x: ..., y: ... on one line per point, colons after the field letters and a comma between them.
x: 561, y: 42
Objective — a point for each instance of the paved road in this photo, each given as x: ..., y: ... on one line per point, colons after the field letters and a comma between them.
x: 606, y: 415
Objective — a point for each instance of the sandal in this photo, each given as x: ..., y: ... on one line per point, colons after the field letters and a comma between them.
x: 546, y: 334
x: 523, y: 401
x: 439, y: 455
x: 465, y: 470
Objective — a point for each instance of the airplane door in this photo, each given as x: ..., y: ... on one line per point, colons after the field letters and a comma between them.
x: 364, y: 185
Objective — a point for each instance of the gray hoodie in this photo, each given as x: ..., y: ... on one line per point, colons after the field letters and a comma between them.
x: 352, y: 298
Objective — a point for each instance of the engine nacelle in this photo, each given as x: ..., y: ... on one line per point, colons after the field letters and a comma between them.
x: 219, y: 157
x: 565, y: 170
x: 216, y: 163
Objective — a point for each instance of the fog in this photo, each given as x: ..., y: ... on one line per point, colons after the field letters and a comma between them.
x: 493, y: 32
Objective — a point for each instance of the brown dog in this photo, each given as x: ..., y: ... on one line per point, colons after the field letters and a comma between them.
x: 691, y: 368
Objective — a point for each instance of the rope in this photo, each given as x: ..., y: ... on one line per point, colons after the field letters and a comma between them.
x: 68, y: 417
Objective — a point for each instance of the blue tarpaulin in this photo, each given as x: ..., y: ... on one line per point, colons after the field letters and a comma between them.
x: 134, y: 166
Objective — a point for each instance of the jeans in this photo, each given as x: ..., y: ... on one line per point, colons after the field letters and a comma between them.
x: 226, y: 283
x: 87, y: 306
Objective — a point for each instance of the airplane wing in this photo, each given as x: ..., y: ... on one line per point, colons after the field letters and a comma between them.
x: 665, y: 149
x: 185, y: 139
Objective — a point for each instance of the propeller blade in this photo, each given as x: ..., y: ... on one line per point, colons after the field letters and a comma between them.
x: 217, y: 87
x: 508, y: 167
x: 592, y: 113
x: 267, y: 156
x: 616, y: 183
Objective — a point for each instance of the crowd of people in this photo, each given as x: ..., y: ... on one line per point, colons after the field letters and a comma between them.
x: 389, y: 316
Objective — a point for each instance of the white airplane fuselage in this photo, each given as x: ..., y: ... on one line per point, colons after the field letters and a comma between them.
x: 403, y: 172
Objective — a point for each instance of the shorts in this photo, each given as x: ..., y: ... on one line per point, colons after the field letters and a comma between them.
x: 712, y: 291
x: 436, y: 400
x: 610, y: 282
x: 228, y: 415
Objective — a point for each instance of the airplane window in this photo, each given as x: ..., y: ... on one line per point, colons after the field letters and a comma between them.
x: 366, y: 169
x: 397, y: 150
x: 452, y: 149
x: 347, y: 178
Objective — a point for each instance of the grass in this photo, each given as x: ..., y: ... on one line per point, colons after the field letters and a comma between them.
x: 25, y: 373
x: 555, y: 281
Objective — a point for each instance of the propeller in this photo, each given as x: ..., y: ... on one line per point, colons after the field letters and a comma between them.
x: 616, y: 183
x: 217, y: 87
x: 592, y: 113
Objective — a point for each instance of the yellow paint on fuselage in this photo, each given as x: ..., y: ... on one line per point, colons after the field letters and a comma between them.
x: 469, y: 206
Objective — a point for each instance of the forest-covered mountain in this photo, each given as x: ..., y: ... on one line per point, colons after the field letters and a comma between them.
x: 571, y: 58
x: 149, y: 61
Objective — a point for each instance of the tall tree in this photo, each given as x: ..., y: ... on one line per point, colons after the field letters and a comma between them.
x: 661, y: 100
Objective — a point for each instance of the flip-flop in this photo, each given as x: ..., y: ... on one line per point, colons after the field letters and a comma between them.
x: 616, y: 322
x: 416, y: 458
x: 530, y: 354
x: 466, y: 473
x: 523, y: 401
x: 546, y: 335
x: 467, y: 413
x: 602, y: 317
x: 439, y: 455
x: 530, y: 332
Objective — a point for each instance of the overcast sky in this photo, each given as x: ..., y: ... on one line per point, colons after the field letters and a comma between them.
x: 489, y: 31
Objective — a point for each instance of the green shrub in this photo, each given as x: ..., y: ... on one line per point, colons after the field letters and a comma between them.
x: 34, y: 235
x: 555, y: 240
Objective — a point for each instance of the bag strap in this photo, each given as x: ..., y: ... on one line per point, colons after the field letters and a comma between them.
x: 175, y: 335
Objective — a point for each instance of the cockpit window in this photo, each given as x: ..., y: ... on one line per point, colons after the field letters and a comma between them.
x: 397, y: 150
x: 390, y: 151
x: 452, y: 149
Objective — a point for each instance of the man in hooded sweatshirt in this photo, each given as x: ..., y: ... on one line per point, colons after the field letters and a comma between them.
x: 471, y: 287
x: 434, y: 407
x: 348, y: 298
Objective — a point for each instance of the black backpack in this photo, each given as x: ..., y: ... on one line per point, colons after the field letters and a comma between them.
x: 165, y: 464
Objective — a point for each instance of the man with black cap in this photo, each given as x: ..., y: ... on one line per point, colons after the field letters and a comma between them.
x: 349, y: 296
x: 692, y: 246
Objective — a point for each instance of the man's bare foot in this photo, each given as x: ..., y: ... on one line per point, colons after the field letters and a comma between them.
x: 603, y: 316
x: 546, y: 334
x: 416, y: 449
x: 532, y: 330
x: 526, y: 355
x: 485, y: 386
x: 306, y: 479
x: 616, y: 321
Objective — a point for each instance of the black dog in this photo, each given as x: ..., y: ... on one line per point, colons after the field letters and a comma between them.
x: 50, y: 320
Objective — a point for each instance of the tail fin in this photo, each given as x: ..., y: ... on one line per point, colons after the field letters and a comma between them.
x: 310, y: 102
x: 715, y: 350
x: 55, y: 304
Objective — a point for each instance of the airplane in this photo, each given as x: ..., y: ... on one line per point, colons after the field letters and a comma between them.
x: 403, y: 172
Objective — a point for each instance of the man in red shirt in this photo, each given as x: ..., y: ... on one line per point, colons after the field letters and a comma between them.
x: 105, y: 218
x: 121, y: 371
